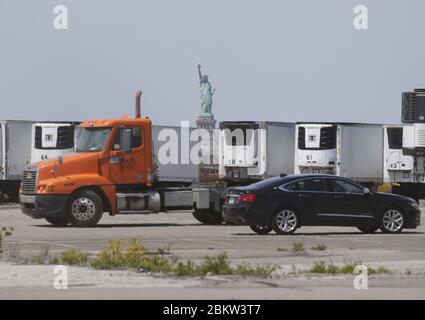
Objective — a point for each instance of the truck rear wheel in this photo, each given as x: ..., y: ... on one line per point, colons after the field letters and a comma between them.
x: 85, y: 208
x: 207, y: 217
x: 58, y: 221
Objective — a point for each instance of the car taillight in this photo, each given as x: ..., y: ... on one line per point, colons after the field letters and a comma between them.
x: 250, y: 197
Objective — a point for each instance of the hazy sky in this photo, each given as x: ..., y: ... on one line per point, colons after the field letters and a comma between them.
x: 270, y: 60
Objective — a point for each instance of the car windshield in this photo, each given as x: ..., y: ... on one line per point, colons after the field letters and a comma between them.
x: 91, y: 139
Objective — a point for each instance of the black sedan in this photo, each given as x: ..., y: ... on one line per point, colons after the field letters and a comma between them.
x: 286, y: 203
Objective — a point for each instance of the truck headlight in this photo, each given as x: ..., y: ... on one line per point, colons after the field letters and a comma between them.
x: 50, y: 187
x: 42, y: 188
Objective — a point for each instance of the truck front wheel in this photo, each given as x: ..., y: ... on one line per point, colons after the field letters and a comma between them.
x: 85, y: 208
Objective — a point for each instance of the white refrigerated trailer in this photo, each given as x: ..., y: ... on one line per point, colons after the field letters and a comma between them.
x: 23, y: 142
x: 15, y: 156
x: 351, y: 150
x: 249, y: 151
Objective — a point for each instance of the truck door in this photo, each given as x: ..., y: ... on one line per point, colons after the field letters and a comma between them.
x: 128, y: 168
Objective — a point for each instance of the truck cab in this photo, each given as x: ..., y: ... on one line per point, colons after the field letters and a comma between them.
x: 110, y: 170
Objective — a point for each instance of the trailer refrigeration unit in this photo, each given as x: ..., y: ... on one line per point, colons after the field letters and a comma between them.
x: 115, y: 168
x: 351, y: 150
x: 398, y: 167
x: 249, y: 151
x: 413, y: 143
x: 50, y: 140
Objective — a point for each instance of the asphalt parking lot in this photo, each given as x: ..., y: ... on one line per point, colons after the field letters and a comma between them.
x: 403, y: 255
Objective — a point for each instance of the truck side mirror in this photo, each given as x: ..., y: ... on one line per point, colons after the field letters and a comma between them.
x: 126, y: 140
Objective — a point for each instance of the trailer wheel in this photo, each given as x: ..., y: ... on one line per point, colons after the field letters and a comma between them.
x: 84, y: 209
x: 207, y: 217
x: 58, y: 221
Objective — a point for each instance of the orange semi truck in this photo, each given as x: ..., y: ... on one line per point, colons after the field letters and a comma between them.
x: 113, y: 169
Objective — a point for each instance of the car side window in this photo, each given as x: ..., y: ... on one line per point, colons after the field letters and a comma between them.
x: 336, y: 185
x: 315, y: 184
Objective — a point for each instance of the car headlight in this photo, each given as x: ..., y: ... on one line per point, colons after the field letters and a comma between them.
x: 414, y: 204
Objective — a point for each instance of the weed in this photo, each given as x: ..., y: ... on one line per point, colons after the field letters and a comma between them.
x: 13, y: 252
x: 297, y: 247
x: 72, y: 257
x: 319, y: 247
x: 4, y: 232
x: 346, y: 268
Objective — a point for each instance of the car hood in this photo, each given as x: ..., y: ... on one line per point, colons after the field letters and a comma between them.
x: 383, y: 195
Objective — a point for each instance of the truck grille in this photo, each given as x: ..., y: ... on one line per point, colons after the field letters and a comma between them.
x: 29, y: 181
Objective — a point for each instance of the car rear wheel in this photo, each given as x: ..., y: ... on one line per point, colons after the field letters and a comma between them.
x: 285, y: 221
x: 85, y: 209
x: 368, y: 229
x: 261, y: 229
x: 392, y: 221
x: 58, y: 221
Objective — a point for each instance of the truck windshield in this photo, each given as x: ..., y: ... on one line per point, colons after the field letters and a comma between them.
x: 91, y: 139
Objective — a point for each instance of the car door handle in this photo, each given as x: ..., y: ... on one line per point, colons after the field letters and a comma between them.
x: 339, y: 196
x: 301, y: 195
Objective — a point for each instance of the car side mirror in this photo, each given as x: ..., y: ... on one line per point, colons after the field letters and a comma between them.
x: 126, y: 139
x: 366, y: 191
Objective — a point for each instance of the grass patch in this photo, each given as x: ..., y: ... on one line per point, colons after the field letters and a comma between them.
x: 41, y: 258
x: 379, y: 270
x: 72, y: 257
x: 298, y: 247
x: 4, y: 232
x: 132, y: 254
x: 219, y: 265
x: 118, y: 256
x: 13, y: 252
x: 322, y: 267
x: 319, y: 247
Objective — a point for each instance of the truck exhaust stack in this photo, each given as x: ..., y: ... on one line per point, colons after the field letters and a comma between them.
x: 138, y: 95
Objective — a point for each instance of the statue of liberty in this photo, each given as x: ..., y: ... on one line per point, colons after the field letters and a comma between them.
x: 207, y: 92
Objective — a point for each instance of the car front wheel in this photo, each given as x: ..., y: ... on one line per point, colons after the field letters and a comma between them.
x: 392, y: 221
x: 285, y: 221
x: 261, y: 229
